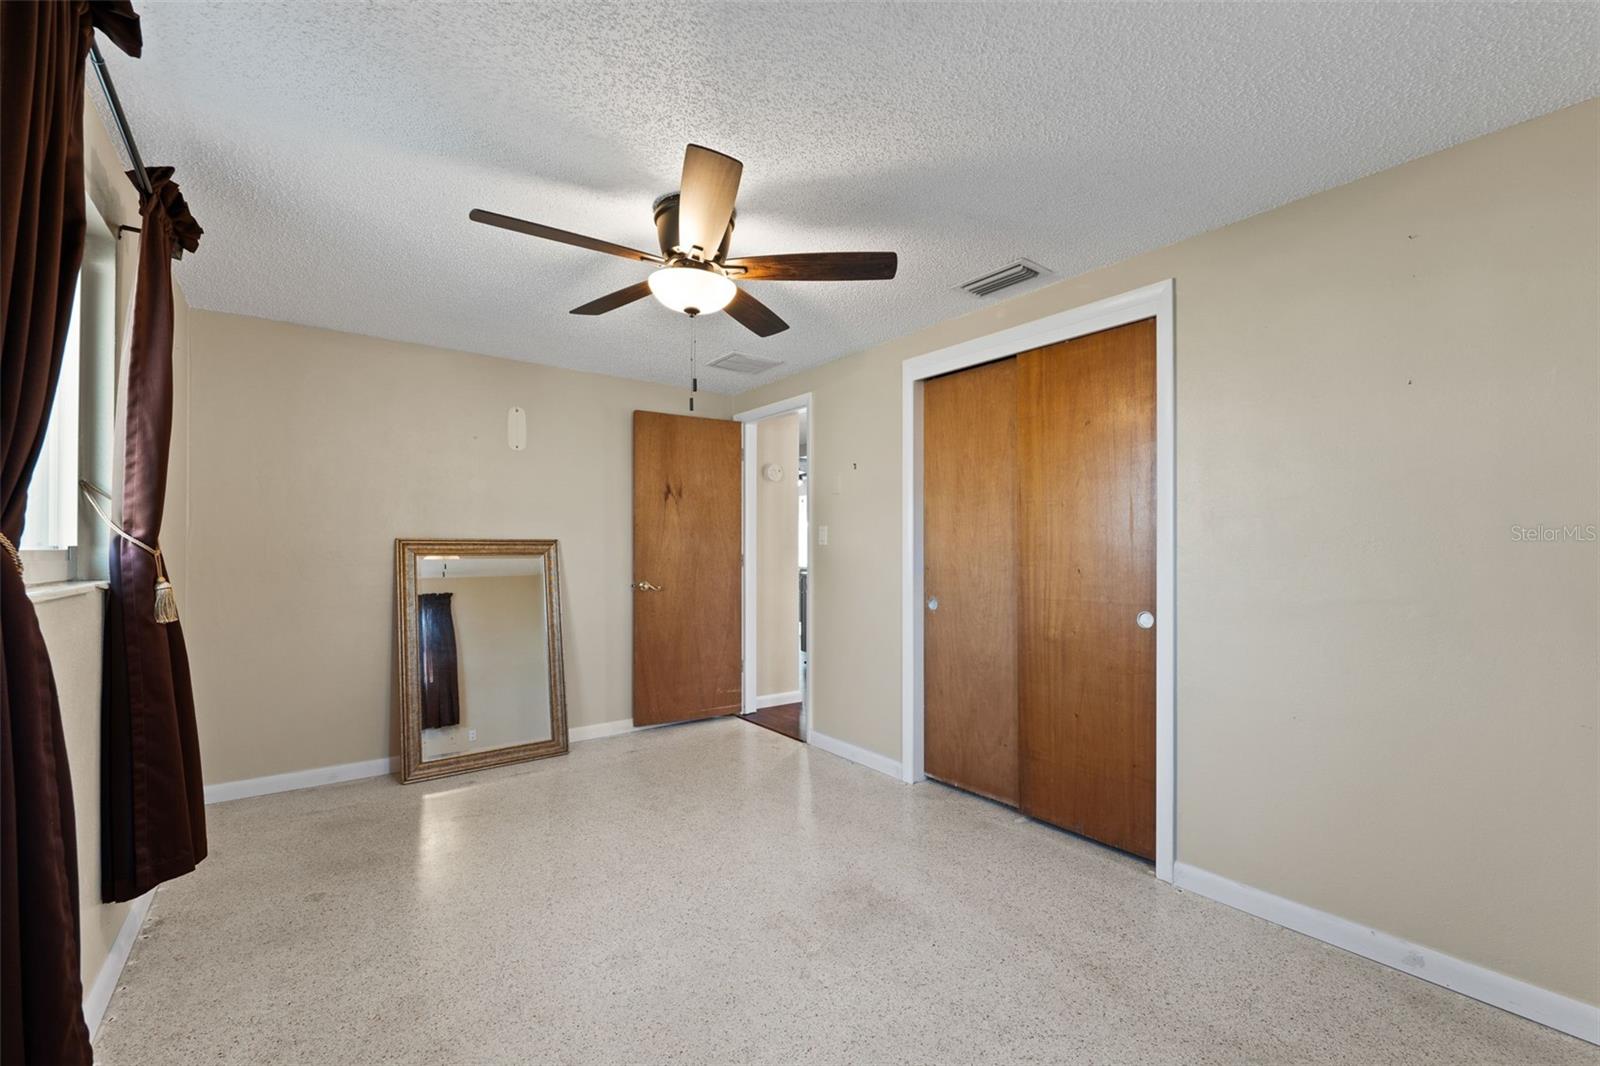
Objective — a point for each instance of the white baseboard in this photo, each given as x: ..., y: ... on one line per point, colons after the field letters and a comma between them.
x: 779, y: 699
x: 578, y: 734
x: 870, y: 759
x: 600, y: 731
x: 355, y: 771
x: 297, y: 779
x: 97, y: 996
x: 1571, y: 1016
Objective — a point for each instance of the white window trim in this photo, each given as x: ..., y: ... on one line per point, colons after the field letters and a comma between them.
x: 44, y: 566
x: 62, y: 590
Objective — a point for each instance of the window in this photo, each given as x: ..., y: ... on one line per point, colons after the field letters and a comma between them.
x: 50, y: 530
x: 58, y: 542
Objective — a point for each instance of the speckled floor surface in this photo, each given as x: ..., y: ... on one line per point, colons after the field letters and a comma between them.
x: 640, y: 899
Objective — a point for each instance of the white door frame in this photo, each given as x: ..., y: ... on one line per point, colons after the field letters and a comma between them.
x: 1152, y: 301
x: 749, y: 473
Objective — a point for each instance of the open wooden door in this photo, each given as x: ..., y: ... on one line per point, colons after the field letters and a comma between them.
x: 686, y: 568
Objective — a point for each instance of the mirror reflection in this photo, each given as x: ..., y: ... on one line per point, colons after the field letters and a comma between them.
x: 481, y: 631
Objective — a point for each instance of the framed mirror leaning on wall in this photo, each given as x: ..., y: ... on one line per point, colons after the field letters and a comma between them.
x: 478, y: 623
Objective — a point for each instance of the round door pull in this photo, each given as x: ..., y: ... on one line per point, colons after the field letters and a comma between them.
x: 933, y: 603
x: 1145, y: 619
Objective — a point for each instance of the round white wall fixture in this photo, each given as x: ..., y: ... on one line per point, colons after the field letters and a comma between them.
x: 772, y: 472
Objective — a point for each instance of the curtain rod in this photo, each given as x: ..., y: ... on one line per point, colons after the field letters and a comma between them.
x: 140, y: 178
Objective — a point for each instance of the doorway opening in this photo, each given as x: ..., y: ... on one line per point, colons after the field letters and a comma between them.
x: 777, y: 571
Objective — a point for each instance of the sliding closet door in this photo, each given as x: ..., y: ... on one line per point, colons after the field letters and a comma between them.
x: 969, y: 459
x: 1086, y: 439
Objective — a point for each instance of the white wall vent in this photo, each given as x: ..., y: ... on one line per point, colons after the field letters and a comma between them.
x: 740, y: 363
x: 1012, y: 274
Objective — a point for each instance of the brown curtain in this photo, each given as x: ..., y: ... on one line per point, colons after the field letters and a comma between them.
x: 441, y: 687
x: 42, y: 52
x: 153, y: 822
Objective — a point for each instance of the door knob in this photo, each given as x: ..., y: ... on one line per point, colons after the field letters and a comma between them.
x: 1145, y: 619
x: 933, y: 603
x: 645, y: 586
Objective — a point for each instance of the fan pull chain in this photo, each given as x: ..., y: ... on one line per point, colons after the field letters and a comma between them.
x: 694, y: 379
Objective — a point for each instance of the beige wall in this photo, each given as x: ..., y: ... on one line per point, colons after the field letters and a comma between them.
x: 311, y: 451
x: 854, y: 581
x: 1387, y: 704
x: 73, y: 627
x: 778, y: 557
x: 502, y: 662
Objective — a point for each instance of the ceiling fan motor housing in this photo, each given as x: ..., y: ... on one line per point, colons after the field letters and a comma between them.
x: 665, y: 209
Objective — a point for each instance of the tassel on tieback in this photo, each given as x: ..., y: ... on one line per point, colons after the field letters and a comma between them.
x: 166, y: 596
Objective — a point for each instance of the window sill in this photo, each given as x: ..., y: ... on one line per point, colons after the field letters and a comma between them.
x: 60, y: 590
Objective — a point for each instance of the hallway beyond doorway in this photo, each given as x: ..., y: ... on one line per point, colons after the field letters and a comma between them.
x: 783, y: 719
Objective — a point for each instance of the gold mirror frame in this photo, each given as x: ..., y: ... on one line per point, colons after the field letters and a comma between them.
x: 412, y: 766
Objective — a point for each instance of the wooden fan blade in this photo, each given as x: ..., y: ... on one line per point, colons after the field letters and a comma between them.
x: 550, y: 233
x: 815, y: 266
x: 754, y: 315
x: 612, y: 301
x: 705, y: 200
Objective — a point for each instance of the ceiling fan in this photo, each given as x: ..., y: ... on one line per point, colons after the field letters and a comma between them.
x: 693, y: 227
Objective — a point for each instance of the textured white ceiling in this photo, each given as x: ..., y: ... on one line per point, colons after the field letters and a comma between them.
x: 332, y: 150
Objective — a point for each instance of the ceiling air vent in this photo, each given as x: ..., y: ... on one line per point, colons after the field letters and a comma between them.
x: 1014, y: 274
x: 740, y: 363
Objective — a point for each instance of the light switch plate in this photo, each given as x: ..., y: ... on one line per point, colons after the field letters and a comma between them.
x: 822, y: 536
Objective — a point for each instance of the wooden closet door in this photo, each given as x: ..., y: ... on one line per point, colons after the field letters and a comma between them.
x: 969, y: 477
x: 1086, y: 439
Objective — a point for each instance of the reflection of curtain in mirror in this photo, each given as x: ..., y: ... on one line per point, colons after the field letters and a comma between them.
x: 436, y: 632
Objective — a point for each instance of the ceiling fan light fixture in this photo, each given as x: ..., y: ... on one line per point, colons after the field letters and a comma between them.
x: 694, y: 275
x: 691, y: 290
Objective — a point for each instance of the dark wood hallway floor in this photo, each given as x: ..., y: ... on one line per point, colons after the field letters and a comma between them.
x: 784, y: 719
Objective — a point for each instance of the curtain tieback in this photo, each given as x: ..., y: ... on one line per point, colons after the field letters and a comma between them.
x: 11, y: 550
x: 166, y: 599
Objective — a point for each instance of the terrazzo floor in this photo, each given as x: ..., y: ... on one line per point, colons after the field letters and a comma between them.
x: 640, y: 899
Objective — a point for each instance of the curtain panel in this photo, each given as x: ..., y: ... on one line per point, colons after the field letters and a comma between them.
x: 441, y: 685
x: 153, y: 822
x: 43, y: 47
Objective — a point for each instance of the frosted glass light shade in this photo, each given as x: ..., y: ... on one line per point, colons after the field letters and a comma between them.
x: 690, y: 289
